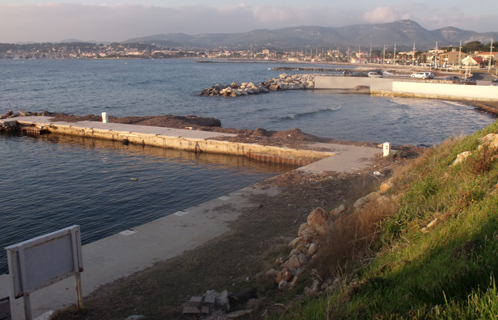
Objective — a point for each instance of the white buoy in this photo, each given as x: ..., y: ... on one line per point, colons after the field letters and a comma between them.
x: 386, y: 147
x: 104, y: 117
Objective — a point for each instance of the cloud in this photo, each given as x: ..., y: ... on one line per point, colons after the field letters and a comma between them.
x: 380, y: 14
x: 119, y: 22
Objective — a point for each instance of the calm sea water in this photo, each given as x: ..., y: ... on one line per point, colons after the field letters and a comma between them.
x: 55, y: 182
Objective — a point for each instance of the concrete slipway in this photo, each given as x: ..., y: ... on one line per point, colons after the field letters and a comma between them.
x: 135, y: 249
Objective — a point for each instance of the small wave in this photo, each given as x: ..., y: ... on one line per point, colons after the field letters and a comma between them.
x: 309, y: 113
x: 454, y: 103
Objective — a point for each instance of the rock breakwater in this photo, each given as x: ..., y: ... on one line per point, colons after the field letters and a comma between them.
x: 283, y: 82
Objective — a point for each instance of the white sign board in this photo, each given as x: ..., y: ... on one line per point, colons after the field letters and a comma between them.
x: 44, y: 260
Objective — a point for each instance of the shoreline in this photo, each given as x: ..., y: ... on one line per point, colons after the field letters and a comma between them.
x: 116, y: 252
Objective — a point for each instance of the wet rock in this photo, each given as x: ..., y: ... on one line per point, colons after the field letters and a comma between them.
x: 8, y: 114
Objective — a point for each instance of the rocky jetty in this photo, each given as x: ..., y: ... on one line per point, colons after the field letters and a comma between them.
x: 21, y: 113
x: 283, y: 82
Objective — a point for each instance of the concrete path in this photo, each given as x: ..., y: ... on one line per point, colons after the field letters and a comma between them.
x: 345, y: 159
x: 169, y: 132
x: 133, y: 250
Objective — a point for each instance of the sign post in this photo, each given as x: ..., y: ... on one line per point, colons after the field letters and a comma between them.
x: 44, y: 260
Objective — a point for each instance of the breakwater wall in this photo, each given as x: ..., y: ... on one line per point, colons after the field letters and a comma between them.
x: 180, y: 139
x: 432, y: 89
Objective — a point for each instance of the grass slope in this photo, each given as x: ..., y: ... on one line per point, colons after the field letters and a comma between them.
x: 436, y: 254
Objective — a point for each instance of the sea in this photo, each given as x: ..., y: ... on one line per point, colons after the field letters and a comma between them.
x: 52, y: 182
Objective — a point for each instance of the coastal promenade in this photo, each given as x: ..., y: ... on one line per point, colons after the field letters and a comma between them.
x: 132, y: 250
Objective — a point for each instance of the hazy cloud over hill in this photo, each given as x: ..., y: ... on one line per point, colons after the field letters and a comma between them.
x: 40, y: 22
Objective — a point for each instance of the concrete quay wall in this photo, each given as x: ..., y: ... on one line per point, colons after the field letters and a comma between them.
x: 447, y: 91
x: 336, y: 82
x: 431, y: 89
x: 199, y: 142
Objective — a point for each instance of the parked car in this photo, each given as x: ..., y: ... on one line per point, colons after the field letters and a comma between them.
x: 468, y: 81
x: 452, y: 78
x: 423, y: 75
x: 494, y: 82
x: 375, y: 74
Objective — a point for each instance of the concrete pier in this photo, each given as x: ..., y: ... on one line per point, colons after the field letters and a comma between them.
x: 181, y: 139
x: 132, y: 250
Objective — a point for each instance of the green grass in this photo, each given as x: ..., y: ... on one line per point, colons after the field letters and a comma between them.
x: 440, y: 274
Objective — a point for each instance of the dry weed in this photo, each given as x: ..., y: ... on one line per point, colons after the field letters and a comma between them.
x: 352, y: 237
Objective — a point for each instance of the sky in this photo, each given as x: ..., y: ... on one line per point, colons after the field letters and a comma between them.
x: 119, y: 20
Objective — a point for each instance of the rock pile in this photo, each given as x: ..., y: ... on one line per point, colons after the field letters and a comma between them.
x: 221, y: 305
x: 304, y: 248
x: 311, y: 236
x: 283, y: 82
x: 20, y: 113
x: 9, y: 126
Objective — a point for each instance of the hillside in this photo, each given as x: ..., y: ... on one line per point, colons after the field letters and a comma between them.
x: 432, y: 254
x: 404, y: 33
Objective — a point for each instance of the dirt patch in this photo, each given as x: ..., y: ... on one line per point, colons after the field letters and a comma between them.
x: 233, y: 260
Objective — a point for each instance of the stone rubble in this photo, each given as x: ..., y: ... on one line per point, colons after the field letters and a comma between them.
x: 306, y: 247
x: 220, y: 305
x: 283, y: 82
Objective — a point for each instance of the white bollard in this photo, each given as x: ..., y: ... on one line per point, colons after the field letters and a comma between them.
x: 104, y: 117
x: 386, y: 147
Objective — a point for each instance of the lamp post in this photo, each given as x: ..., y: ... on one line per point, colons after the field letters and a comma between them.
x: 413, y: 55
x: 490, y: 55
x: 384, y: 54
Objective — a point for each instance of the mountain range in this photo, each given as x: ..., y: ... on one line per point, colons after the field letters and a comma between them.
x: 403, y: 33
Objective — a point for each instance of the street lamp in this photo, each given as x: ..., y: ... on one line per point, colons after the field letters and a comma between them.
x: 384, y: 54
x: 490, y: 55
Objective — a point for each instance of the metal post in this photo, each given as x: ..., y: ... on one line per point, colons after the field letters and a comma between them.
x: 394, y: 62
x: 383, y: 54
x: 27, y: 306
x: 413, y: 55
x: 490, y: 55
x: 460, y: 58
x: 79, y: 292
